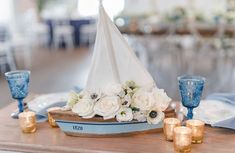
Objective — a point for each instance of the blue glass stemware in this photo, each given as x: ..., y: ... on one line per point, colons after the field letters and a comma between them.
x: 18, y: 83
x: 191, y: 88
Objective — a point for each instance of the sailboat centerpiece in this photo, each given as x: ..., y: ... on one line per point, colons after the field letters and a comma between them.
x: 120, y: 96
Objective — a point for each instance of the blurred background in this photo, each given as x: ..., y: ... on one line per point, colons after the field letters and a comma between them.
x: 54, y: 39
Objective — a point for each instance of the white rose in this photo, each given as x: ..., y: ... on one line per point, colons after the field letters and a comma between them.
x: 155, y: 116
x: 113, y: 89
x: 107, y: 107
x: 124, y: 115
x: 84, y: 108
x: 142, y: 100
x: 140, y: 116
x: 160, y: 99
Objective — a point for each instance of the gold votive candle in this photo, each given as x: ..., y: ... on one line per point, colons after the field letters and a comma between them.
x: 182, y: 139
x: 27, y: 122
x: 169, y: 125
x: 51, y: 121
x: 197, y: 127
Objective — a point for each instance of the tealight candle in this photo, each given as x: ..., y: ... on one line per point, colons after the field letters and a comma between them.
x: 27, y: 122
x: 182, y: 139
x: 169, y: 125
x: 51, y: 121
x: 197, y: 127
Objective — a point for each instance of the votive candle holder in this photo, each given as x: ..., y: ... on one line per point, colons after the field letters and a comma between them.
x: 182, y: 139
x: 168, y: 128
x: 51, y: 120
x: 197, y: 127
x: 27, y: 122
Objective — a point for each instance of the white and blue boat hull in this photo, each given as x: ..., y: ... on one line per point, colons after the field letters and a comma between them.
x: 105, y: 128
x: 73, y: 125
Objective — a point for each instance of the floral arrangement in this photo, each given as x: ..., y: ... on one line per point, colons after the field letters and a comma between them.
x: 125, y: 102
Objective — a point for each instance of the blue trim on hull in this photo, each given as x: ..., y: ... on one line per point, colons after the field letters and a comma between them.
x: 105, y: 128
x: 101, y: 123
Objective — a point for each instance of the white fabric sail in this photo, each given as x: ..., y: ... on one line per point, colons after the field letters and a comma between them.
x: 113, y: 60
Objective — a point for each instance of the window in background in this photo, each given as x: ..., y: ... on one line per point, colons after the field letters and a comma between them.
x: 90, y: 7
x: 164, y: 6
x: 210, y: 7
x: 5, y: 11
x: 139, y: 7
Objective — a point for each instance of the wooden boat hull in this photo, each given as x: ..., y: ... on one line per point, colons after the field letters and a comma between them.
x: 73, y: 125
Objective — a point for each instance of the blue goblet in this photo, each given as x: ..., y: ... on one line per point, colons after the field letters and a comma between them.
x: 18, y: 83
x: 191, y: 88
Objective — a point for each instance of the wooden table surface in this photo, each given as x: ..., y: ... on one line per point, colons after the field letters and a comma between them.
x: 49, y: 140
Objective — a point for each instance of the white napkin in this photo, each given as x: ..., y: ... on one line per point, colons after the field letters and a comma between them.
x: 113, y: 60
x: 41, y: 103
x: 216, y: 113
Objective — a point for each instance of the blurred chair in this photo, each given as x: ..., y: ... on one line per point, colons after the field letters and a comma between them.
x: 211, y: 54
x: 227, y: 64
x: 40, y: 34
x: 62, y: 32
x: 30, y: 30
x: 14, y: 43
x: 20, y: 43
x: 88, y: 34
x: 6, y: 57
x: 175, y: 45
